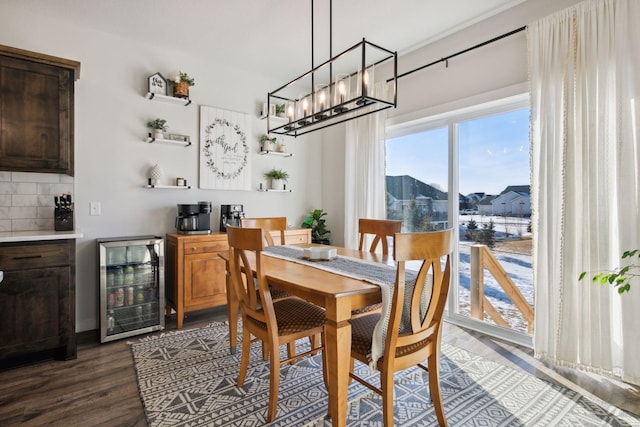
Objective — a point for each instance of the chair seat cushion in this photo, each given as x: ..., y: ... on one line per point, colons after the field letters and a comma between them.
x: 295, y: 315
x: 362, y: 333
x: 278, y: 293
x: 367, y: 309
x: 362, y: 337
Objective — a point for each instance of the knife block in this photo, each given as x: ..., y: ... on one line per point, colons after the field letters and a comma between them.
x: 63, y: 219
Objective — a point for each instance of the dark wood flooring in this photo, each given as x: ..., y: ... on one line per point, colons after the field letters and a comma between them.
x: 99, y: 388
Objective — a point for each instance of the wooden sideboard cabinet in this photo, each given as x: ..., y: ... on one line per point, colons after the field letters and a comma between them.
x: 194, y: 273
x: 195, y: 276
x: 36, y: 111
x: 37, y: 298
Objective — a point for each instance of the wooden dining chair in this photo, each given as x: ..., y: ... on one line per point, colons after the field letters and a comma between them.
x: 275, y: 323
x: 268, y: 224
x: 420, y: 336
x: 381, y: 230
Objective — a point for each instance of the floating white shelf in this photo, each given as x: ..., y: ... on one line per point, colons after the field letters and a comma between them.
x: 275, y: 153
x: 274, y: 191
x: 272, y: 117
x: 173, y: 187
x: 151, y: 140
x: 170, y: 99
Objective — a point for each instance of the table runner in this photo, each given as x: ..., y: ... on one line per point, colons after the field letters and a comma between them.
x: 376, y: 273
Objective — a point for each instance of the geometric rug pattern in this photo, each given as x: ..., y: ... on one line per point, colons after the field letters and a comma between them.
x: 188, y: 379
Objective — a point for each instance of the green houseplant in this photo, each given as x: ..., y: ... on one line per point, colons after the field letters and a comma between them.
x: 280, y: 110
x: 185, y: 78
x: 159, y: 126
x: 278, y: 177
x: 318, y: 226
x: 267, y: 143
x: 181, y: 84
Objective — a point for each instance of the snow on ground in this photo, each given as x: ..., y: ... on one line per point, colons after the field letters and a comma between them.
x: 518, y: 267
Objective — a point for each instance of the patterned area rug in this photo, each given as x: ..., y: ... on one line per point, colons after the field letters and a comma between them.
x: 188, y: 378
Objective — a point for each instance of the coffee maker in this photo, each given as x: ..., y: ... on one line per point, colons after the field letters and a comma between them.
x: 194, y: 219
x: 230, y: 215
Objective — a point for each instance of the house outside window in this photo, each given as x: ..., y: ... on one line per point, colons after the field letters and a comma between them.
x: 470, y: 170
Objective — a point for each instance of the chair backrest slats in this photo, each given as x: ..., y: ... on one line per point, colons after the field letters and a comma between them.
x: 380, y: 229
x: 431, y: 249
x: 242, y: 241
x: 268, y: 224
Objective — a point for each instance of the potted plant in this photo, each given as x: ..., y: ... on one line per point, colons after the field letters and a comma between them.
x: 280, y: 110
x: 316, y: 223
x: 267, y: 143
x: 277, y: 177
x: 159, y: 126
x: 181, y: 84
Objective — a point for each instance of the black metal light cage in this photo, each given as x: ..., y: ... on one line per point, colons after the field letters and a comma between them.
x: 372, y: 87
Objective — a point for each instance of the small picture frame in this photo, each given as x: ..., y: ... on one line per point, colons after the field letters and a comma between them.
x: 157, y: 84
x: 178, y: 137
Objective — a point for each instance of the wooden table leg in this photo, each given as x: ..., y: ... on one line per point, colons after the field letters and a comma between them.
x: 338, y: 348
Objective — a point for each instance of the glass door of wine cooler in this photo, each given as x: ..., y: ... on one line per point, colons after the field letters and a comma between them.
x: 131, y: 278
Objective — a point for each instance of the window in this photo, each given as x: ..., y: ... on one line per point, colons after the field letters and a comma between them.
x: 470, y: 170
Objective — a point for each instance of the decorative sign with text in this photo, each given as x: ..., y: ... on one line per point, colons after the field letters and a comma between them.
x: 157, y: 84
x: 225, y: 161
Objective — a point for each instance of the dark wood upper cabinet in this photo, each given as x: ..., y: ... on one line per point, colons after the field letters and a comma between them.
x: 36, y: 111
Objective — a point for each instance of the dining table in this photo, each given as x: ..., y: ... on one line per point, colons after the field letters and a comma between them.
x: 338, y: 294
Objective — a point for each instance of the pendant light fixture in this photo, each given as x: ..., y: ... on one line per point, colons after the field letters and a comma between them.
x: 358, y: 81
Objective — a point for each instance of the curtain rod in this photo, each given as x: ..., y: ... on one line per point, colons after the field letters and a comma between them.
x: 446, y: 59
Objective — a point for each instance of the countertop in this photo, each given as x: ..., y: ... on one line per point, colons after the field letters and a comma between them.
x: 32, y: 236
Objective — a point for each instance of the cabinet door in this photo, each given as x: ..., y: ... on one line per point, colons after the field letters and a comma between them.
x: 204, y: 281
x: 33, y: 307
x: 36, y: 117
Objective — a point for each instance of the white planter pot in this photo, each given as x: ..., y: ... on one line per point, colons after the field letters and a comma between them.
x: 268, y: 146
x: 158, y: 134
x: 277, y: 184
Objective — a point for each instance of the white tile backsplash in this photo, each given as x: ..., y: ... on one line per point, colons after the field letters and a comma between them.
x: 24, y: 200
x: 35, y: 177
x: 27, y: 199
x: 16, y: 212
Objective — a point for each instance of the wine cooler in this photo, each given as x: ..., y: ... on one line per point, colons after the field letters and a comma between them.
x: 131, y: 280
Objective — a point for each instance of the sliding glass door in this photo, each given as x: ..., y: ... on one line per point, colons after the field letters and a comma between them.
x: 470, y: 171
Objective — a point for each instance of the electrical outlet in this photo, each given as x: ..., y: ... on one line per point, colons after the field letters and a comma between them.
x: 94, y: 208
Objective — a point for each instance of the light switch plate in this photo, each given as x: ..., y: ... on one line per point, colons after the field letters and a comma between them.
x: 95, y: 208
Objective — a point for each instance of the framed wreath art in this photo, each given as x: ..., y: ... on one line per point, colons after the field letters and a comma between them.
x: 224, y: 151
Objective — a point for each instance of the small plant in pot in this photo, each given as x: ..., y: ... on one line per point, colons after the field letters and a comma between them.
x: 278, y: 177
x: 181, y: 84
x: 159, y: 126
x: 280, y: 110
x: 316, y: 223
x: 267, y: 143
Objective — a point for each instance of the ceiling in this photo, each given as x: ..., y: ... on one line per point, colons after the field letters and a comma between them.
x: 274, y: 35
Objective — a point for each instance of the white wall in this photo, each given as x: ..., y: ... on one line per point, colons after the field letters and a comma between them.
x: 111, y: 157
x: 494, y: 71
x: 111, y: 112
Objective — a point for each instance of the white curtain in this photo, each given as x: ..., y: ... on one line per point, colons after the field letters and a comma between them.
x: 585, y: 80
x: 364, y: 170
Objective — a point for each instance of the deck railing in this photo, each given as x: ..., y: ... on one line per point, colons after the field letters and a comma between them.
x: 481, y: 258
